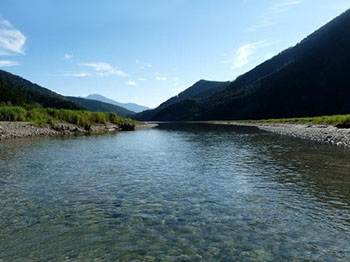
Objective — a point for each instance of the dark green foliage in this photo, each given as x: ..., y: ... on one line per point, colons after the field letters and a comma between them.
x: 13, y: 114
x: 17, y: 91
x: 44, y: 116
x: 335, y: 120
x: 310, y: 79
x: 94, y: 105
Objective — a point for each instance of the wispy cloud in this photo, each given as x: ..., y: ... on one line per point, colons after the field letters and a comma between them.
x: 104, y: 69
x: 7, y: 63
x: 244, y: 52
x: 339, y: 6
x: 11, y: 39
x: 160, y: 78
x: 78, y: 74
x: 272, y: 15
x: 131, y: 83
x: 11, y: 42
x: 142, y: 79
x: 143, y: 65
x: 68, y: 57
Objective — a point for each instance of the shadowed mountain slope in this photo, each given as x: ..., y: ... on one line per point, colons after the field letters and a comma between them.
x: 309, y: 79
x: 198, y: 91
x: 19, y: 91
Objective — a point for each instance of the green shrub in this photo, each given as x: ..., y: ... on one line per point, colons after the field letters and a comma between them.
x: 12, y: 113
x: 336, y: 120
x: 42, y: 116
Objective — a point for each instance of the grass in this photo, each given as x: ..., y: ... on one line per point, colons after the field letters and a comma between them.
x: 335, y: 120
x: 44, y: 116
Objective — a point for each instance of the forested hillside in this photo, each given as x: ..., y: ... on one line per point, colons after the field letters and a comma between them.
x: 310, y: 79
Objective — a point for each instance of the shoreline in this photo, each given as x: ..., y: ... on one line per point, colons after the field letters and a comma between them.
x: 15, y: 130
x: 320, y: 133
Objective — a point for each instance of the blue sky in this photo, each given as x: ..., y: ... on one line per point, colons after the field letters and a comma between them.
x: 145, y: 51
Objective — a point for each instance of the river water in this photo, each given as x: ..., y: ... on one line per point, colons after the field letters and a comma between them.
x: 178, y: 192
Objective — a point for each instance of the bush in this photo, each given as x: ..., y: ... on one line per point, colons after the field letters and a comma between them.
x: 12, y: 114
x: 336, y: 120
x: 42, y: 116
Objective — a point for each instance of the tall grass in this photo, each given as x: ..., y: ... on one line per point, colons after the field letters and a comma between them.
x: 43, y: 116
x: 335, y: 120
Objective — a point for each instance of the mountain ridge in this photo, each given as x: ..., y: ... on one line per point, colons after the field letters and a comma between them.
x: 95, y: 105
x: 198, y: 90
x: 130, y: 106
x: 18, y: 91
x: 309, y: 79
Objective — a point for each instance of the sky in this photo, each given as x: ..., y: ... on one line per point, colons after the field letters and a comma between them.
x: 146, y: 51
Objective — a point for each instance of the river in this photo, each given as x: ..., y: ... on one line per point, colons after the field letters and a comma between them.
x: 178, y: 192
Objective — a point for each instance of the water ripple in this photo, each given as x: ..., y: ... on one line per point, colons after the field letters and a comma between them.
x: 184, y: 192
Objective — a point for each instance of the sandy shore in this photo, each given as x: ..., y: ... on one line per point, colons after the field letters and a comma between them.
x: 320, y: 133
x: 23, y: 129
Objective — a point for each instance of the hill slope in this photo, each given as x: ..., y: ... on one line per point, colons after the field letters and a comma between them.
x: 94, y: 105
x: 310, y: 79
x: 198, y: 91
x: 18, y: 91
x: 130, y: 106
x: 21, y: 92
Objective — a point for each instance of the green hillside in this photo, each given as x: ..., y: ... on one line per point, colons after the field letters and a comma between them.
x: 94, y: 105
x: 309, y: 79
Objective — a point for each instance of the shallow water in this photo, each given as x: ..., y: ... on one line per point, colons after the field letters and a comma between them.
x: 179, y: 192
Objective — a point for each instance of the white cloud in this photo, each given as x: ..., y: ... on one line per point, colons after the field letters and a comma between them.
x: 160, y: 78
x: 142, y: 79
x: 68, y: 57
x: 143, y: 65
x: 78, y: 74
x: 131, y: 83
x: 7, y: 63
x: 11, y: 39
x: 245, y: 51
x: 272, y: 15
x: 104, y: 69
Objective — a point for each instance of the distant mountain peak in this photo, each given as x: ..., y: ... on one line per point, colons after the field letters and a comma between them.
x: 130, y: 106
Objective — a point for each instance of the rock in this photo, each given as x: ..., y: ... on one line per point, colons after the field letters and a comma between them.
x: 127, y: 127
x: 344, y: 125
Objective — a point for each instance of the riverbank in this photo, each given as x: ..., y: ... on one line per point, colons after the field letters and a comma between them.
x: 12, y: 130
x: 321, y: 133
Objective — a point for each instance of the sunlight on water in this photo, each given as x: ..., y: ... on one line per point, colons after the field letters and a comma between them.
x: 174, y: 193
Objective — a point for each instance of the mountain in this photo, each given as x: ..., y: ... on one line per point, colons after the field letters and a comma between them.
x: 19, y: 91
x: 198, y: 91
x: 130, y: 106
x: 94, y: 105
x: 309, y: 79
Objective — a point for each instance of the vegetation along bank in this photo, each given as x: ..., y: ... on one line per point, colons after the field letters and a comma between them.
x: 17, y: 122
x: 328, y: 129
